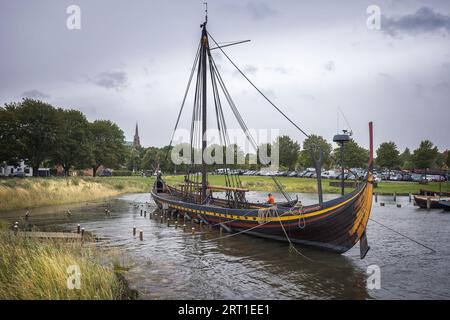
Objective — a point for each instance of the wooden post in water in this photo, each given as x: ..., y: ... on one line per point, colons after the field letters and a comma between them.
x: 176, y: 224
x: 409, y: 195
x: 221, y: 230
x: 141, y: 212
x: 201, y: 224
x: 82, y: 232
x: 141, y: 235
x: 184, y: 227
x: 395, y: 196
x: 428, y: 203
x: 193, y: 231
x: 134, y: 231
x: 168, y: 222
x: 145, y: 214
x: 78, y: 228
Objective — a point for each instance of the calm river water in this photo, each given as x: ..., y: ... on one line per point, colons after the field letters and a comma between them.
x: 172, y: 264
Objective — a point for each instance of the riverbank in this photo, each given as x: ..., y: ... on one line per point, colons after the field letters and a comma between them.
x: 27, y: 193
x: 37, y: 269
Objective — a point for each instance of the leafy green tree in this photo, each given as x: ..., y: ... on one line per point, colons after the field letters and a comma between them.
x: 289, y: 151
x: 11, y: 149
x: 388, y: 155
x: 37, y: 133
x: 134, y: 158
x: 355, y: 156
x: 447, y: 161
x: 152, y: 158
x: 73, y: 147
x: 405, y: 160
x: 315, y: 143
x: 440, y: 160
x: 108, y: 144
x: 425, y: 155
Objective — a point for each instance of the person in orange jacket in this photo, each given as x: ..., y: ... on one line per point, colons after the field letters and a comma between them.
x: 270, y: 199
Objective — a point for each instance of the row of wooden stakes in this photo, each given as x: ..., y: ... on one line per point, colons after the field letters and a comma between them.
x: 164, y: 218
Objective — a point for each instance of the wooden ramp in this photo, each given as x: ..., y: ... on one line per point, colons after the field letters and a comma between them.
x: 50, y: 235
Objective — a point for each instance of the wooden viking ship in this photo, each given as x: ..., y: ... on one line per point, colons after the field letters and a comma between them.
x: 335, y: 225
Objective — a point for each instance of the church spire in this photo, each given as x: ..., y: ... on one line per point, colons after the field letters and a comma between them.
x: 136, y: 140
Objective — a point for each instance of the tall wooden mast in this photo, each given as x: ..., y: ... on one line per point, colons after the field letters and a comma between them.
x: 204, y: 53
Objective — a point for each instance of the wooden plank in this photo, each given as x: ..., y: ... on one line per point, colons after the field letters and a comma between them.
x: 50, y: 235
x: 210, y: 187
x: 226, y: 188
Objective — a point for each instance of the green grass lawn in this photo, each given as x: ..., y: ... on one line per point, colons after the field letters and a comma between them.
x: 306, y: 185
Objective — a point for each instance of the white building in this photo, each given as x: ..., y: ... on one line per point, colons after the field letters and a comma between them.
x: 20, y: 169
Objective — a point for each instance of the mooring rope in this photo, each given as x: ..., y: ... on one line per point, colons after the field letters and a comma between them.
x: 403, y: 235
x: 291, y: 245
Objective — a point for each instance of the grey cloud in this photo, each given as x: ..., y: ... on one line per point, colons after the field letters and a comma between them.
x: 256, y: 10
x: 419, y: 90
x: 330, y: 66
x: 35, y: 94
x: 281, y: 70
x: 442, y: 86
x: 307, y: 96
x: 248, y: 69
x: 111, y: 80
x: 259, y: 11
x: 384, y: 76
x: 423, y: 20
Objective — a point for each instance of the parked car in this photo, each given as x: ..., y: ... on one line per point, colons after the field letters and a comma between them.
x: 334, y: 174
x: 106, y: 173
x: 396, y: 177
x: 329, y: 174
x: 308, y: 174
x: 18, y: 174
x: 406, y: 177
x: 292, y: 174
x: 417, y: 177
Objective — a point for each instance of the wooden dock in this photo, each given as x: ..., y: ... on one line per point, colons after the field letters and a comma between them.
x: 50, y: 235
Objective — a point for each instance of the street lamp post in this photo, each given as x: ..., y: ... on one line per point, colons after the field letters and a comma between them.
x: 341, y: 139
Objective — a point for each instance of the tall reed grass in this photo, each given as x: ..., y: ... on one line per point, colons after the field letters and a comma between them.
x: 36, y: 192
x: 37, y: 269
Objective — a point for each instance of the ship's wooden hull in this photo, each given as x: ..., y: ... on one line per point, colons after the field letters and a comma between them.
x: 336, y: 226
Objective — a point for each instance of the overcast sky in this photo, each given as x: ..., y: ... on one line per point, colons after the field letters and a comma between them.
x: 130, y: 61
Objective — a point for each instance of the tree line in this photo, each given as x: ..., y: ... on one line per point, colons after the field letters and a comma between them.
x: 42, y: 134
x: 293, y: 156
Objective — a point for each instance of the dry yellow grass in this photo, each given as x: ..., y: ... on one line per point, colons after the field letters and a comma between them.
x: 37, y: 192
